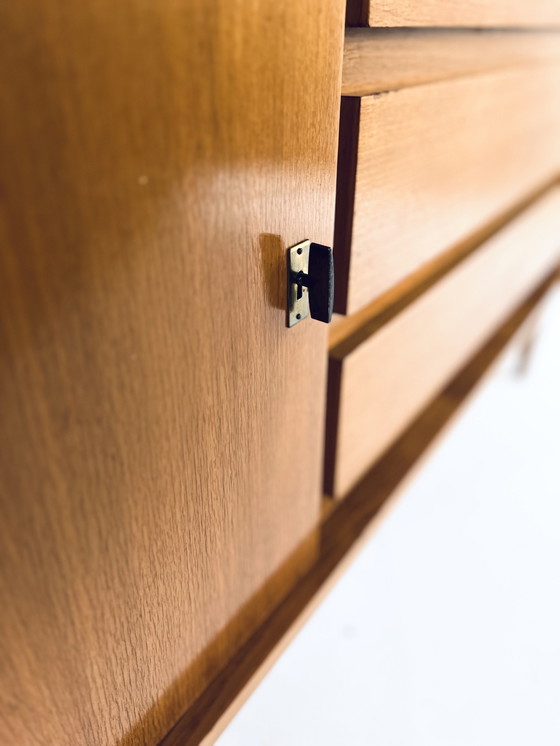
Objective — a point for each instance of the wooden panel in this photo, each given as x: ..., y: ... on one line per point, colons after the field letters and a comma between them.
x: 431, y: 166
x: 377, y: 60
x: 382, y: 384
x: 347, y: 527
x: 156, y: 505
x: 346, y: 332
x: 453, y: 13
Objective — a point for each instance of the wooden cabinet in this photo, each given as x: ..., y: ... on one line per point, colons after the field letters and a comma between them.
x: 161, y: 430
x: 162, y: 433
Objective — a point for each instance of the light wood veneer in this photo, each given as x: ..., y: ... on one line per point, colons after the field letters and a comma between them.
x: 466, y: 13
x: 378, y: 60
x: 159, y: 459
x: 381, y: 385
x: 423, y: 169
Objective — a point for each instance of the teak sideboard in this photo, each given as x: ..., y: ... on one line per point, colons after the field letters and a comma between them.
x: 182, y: 475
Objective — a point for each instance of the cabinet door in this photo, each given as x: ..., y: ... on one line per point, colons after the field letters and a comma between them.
x: 161, y: 429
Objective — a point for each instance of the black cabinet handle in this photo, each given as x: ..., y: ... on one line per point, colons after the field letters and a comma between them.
x: 310, y: 283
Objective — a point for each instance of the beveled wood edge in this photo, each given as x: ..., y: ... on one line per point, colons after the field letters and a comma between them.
x: 344, y: 531
x: 378, y: 60
x: 349, y: 332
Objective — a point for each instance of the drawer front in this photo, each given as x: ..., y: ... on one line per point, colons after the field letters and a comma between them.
x: 422, y: 170
x: 383, y: 383
x: 380, y: 60
x: 470, y: 13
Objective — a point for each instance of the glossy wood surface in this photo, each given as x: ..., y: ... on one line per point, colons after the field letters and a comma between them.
x: 347, y: 332
x: 377, y: 60
x: 470, y: 13
x: 347, y: 526
x: 431, y: 166
x: 382, y: 385
x: 161, y: 429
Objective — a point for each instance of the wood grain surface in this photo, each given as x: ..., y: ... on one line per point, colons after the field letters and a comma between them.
x: 348, y: 526
x: 382, y: 385
x: 471, y: 13
x: 161, y: 429
x: 433, y: 165
x: 377, y: 60
x: 347, y: 332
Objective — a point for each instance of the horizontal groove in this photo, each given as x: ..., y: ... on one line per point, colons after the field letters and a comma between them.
x: 350, y: 331
x: 379, y: 60
x: 343, y: 531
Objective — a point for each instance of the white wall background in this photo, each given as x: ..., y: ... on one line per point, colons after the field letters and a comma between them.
x: 446, y: 629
